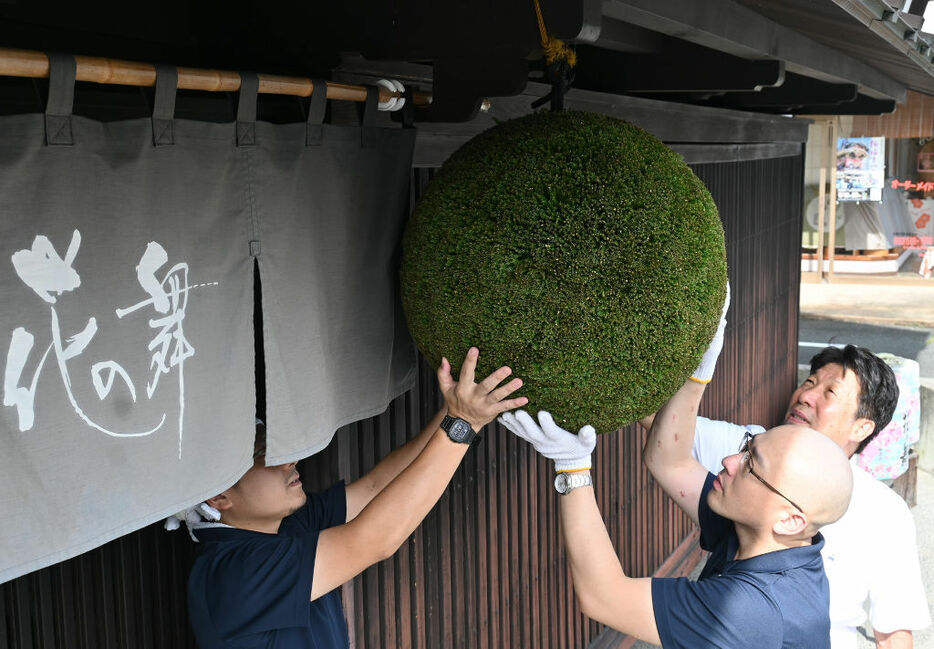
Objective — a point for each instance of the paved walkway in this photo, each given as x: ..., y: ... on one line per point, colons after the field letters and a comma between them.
x: 924, y: 524
x: 877, y: 300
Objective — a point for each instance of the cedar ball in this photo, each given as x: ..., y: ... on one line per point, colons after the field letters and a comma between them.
x: 575, y: 248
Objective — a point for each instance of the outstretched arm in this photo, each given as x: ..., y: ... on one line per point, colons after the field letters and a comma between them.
x: 667, y: 452
x: 361, y: 491
x: 394, y: 513
x: 603, y: 590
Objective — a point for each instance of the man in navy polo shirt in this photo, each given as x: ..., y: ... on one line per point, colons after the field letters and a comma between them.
x: 764, y: 584
x: 266, y: 574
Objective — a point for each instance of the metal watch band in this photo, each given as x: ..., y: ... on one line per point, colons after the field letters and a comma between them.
x: 565, y: 483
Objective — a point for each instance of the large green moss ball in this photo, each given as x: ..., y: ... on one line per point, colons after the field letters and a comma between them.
x: 577, y: 249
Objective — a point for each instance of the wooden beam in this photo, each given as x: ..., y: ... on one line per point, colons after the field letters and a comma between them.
x: 862, y: 105
x: 732, y: 27
x: 623, y: 37
x: 699, y: 133
x: 679, y: 68
x: 459, y: 85
x: 796, y: 90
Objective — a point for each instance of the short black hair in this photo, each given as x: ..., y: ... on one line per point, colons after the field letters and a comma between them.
x: 878, y: 390
x: 259, y: 441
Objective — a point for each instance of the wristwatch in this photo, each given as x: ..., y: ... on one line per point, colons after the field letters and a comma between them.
x: 459, y: 430
x: 565, y: 483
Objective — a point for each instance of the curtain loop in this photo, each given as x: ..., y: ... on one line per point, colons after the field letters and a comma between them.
x: 163, y: 109
x: 317, y: 106
x: 62, y: 70
x: 246, y: 109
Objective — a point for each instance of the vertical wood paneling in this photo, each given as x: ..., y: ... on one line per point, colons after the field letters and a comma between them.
x: 913, y: 119
x: 487, y: 566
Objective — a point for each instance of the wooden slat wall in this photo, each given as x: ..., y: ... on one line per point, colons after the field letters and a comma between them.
x: 486, y: 569
x: 759, y: 205
x: 913, y: 119
x: 127, y: 594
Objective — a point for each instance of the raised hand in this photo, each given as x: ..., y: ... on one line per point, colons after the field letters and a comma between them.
x: 704, y: 371
x: 478, y: 403
x: 570, y: 452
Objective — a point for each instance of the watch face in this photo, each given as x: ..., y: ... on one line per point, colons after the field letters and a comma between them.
x: 561, y: 483
x: 460, y: 430
x: 566, y: 482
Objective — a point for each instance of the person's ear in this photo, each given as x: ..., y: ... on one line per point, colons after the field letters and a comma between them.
x: 793, y: 523
x: 220, y: 502
x: 862, y: 428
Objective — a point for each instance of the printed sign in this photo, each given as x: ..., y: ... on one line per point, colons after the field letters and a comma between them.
x: 860, y: 168
x: 921, y: 215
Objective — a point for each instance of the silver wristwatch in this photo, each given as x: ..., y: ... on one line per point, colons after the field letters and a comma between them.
x: 565, y: 483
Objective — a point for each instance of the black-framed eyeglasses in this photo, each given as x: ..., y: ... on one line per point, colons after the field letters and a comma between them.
x: 746, y: 448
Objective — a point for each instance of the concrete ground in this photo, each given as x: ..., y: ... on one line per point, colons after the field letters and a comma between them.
x: 924, y: 524
x: 903, y: 298
x: 902, y: 301
x: 877, y: 303
x: 914, y: 342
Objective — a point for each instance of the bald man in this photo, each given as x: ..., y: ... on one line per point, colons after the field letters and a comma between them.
x: 870, y: 554
x: 800, y: 459
x: 764, y: 584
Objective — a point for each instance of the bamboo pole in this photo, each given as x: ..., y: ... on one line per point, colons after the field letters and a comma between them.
x: 32, y: 64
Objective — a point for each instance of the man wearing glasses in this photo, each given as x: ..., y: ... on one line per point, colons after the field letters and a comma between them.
x: 764, y: 584
x: 871, y: 552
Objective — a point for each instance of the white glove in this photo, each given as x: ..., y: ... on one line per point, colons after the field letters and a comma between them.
x: 569, y: 451
x: 192, y: 517
x: 704, y: 371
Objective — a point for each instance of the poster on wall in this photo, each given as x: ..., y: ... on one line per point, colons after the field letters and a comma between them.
x: 921, y: 215
x: 860, y: 168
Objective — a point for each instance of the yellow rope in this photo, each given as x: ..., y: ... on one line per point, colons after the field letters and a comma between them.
x: 555, y: 48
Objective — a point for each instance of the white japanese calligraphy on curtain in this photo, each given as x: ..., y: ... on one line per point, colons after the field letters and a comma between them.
x: 50, y: 276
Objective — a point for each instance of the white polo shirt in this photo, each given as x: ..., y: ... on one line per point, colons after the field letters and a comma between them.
x: 871, y: 552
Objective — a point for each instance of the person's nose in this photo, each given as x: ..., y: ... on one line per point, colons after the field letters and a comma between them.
x: 807, y: 396
x: 731, y: 463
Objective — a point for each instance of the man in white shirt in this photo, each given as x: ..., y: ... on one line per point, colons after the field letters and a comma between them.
x: 871, y: 552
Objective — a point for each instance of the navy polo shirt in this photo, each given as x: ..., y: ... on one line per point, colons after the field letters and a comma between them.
x: 774, y: 600
x: 252, y: 589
